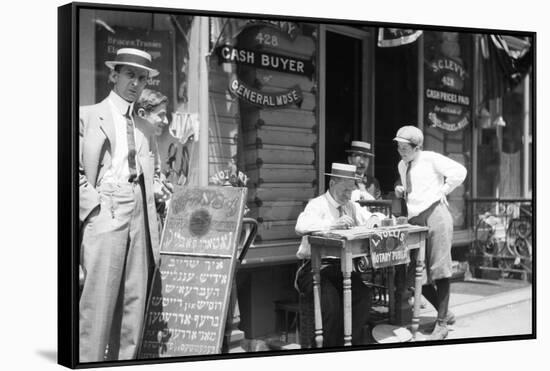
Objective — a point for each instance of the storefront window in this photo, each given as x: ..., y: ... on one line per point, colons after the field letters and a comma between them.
x: 262, y: 120
x: 166, y: 38
x: 448, y: 106
x: 504, y: 117
x: 501, y: 147
x: 260, y: 117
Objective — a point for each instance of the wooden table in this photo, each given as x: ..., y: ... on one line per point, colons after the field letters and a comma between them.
x: 352, y: 243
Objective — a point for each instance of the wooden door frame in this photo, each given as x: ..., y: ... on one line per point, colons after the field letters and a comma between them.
x: 367, y: 114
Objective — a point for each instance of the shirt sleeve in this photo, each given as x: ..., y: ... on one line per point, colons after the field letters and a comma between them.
x: 453, y: 172
x: 362, y: 214
x: 312, y: 219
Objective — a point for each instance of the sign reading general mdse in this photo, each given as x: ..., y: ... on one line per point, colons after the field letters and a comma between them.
x: 274, y: 100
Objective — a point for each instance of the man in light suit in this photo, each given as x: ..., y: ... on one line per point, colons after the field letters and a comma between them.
x: 119, y: 181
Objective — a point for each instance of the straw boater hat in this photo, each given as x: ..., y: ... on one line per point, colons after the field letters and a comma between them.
x: 133, y: 57
x: 360, y: 147
x: 343, y: 171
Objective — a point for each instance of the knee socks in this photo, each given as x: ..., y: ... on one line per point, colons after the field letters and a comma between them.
x: 438, y: 295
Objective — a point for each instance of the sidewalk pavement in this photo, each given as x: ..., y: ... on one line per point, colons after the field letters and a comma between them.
x: 486, y: 308
x: 483, y: 308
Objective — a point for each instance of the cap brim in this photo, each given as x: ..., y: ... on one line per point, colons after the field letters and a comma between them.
x: 343, y: 176
x: 402, y: 140
x: 152, y: 72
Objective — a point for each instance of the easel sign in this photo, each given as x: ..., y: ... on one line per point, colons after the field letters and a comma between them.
x: 189, y: 299
x: 389, y: 248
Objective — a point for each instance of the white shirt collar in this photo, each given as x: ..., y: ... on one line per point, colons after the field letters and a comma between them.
x: 120, y: 104
x: 332, y: 202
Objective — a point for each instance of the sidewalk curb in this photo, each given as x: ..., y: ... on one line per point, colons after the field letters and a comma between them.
x: 483, y: 305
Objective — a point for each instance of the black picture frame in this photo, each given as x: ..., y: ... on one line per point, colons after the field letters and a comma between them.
x: 68, y: 227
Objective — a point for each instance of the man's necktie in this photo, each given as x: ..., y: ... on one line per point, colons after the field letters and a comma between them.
x: 131, y: 146
x: 340, y: 211
x: 408, y: 179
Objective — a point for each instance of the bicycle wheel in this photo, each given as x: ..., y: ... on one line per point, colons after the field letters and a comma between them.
x: 522, y: 247
x: 485, y: 240
x: 519, y: 237
x: 520, y: 227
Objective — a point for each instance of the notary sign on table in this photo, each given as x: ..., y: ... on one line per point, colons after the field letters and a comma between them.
x: 389, y: 248
x: 188, y: 304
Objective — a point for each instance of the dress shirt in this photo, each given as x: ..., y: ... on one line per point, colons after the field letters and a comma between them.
x: 432, y: 176
x: 322, y: 212
x: 119, y: 171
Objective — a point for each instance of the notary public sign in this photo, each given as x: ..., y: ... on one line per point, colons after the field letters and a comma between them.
x: 389, y: 248
x: 187, y: 307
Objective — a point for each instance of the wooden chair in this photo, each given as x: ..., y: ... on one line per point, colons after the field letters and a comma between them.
x: 233, y: 335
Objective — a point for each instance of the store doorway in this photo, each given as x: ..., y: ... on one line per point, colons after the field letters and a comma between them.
x: 396, y: 104
x: 344, y: 115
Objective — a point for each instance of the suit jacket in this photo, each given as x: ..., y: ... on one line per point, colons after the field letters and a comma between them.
x: 97, y: 143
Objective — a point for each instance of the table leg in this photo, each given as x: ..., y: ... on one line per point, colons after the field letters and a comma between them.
x: 418, y: 285
x: 316, y: 271
x: 390, y: 279
x: 346, y: 263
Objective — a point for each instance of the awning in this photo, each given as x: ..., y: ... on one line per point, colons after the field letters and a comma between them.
x: 505, y: 62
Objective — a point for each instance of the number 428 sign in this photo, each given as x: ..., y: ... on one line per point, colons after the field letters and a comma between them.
x: 268, y: 39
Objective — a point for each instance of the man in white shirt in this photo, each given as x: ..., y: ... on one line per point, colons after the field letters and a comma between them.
x: 427, y: 178
x: 359, y: 154
x: 334, y: 210
x: 119, y: 182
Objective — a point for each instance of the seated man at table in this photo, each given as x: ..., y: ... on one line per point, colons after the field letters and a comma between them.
x: 335, y: 210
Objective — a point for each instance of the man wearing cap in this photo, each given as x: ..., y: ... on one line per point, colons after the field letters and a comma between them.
x: 119, y: 182
x: 334, y: 210
x: 427, y: 178
x: 359, y: 155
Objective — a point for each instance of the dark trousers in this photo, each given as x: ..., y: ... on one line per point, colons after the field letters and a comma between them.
x: 332, y: 302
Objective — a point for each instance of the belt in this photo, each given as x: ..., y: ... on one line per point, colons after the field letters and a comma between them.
x: 428, y: 211
x: 137, y: 180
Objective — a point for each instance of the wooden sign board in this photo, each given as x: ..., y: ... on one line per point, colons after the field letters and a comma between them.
x: 189, y: 299
x: 389, y: 248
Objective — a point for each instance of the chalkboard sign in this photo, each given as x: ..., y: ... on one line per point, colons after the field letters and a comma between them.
x: 205, y: 220
x: 188, y: 303
x: 389, y: 248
